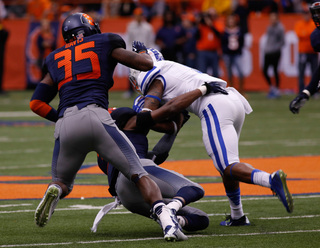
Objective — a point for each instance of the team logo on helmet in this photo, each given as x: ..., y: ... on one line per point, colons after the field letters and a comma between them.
x: 89, y: 19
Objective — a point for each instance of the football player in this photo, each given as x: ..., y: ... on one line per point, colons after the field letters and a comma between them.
x: 314, y: 85
x: 173, y: 186
x: 82, y: 72
x: 222, y: 117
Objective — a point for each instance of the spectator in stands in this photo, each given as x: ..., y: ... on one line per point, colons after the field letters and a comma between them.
x: 126, y: 8
x: 16, y: 9
x: 138, y: 29
x: 3, y: 41
x: 38, y: 9
x: 208, y: 42
x: 46, y: 41
x: 272, y: 53
x: 170, y: 37
x: 189, y: 47
x: 243, y: 12
x: 232, y: 44
x: 303, y: 29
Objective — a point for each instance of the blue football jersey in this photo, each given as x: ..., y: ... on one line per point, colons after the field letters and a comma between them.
x: 82, y: 70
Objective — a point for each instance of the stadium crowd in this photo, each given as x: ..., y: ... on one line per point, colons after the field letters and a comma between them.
x: 208, y: 35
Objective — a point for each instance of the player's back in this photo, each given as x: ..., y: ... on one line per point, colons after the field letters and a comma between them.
x: 177, y: 79
x: 82, y: 70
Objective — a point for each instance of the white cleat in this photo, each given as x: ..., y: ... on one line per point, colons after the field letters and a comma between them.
x: 172, y: 230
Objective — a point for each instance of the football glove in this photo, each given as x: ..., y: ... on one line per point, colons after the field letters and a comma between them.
x: 139, y: 47
x: 214, y: 87
x: 298, y: 102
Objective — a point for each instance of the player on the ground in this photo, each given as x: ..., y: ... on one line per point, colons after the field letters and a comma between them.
x: 222, y: 117
x: 82, y: 72
x: 175, y: 188
x: 314, y: 85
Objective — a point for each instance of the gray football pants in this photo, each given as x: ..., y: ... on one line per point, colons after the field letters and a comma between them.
x: 79, y: 132
x: 169, y: 182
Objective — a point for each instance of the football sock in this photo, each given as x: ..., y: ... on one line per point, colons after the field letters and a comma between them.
x: 181, y: 220
x: 235, y: 204
x: 175, y: 204
x: 160, y: 209
x: 260, y: 178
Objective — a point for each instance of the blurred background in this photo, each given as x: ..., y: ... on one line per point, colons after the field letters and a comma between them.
x: 186, y: 31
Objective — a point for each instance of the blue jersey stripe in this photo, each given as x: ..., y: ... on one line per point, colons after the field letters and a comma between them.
x: 164, y: 82
x: 219, y: 133
x: 146, y: 77
x: 211, y: 139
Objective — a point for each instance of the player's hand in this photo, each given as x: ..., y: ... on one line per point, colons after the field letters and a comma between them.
x: 214, y: 87
x: 139, y: 47
x: 298, y: 102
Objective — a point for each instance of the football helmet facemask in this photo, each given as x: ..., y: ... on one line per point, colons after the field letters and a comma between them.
x: 315, y: 13
x: 77, y: 26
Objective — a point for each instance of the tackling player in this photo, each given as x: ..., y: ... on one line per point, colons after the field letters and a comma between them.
x: 82, y: 73
x: 172, y: 185
x: 222, y: 117
x: 314, y: 85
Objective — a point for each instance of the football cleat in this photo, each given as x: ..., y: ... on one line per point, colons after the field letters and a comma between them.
x: 47, y: 205
x: 243, y: 221
x: 280, y: 189
x: 168, y: 221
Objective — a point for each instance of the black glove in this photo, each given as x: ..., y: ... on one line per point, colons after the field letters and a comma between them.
x: 214, y: 87
x: 139, y: 47
x: 298, y: 102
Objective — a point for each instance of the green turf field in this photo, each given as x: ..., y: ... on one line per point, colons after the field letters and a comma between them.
x: 270, y: 131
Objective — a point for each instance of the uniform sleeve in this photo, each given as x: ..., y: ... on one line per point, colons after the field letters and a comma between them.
x: 116, y: 41
x: 146, y: 78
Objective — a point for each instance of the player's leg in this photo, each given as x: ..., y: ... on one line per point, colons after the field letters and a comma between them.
x: 192, y: 219
x: 177, y: 190
x: 221, y: 142
x: 113, y: 146
x: 69, y: 152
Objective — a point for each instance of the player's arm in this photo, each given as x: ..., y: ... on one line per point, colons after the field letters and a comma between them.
x: 177, y: 104
x: 42, y: 96
x: 138, y: 59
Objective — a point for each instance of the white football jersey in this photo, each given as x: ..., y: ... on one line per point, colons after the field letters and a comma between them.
x: 177, y: 79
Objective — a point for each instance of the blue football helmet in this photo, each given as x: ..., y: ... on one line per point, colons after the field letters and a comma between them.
x: 77, y: 26
x: 315, y: 13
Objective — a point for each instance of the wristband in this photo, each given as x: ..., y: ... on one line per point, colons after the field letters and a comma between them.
x: 144, y: 120
x: 146, y: 109
x: 203, y: 89
x: 307, y: 92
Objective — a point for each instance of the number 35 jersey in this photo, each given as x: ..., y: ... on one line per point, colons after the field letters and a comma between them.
x: 82, y: 70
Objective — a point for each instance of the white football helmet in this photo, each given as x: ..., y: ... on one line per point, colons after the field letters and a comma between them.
x: 155, y: 54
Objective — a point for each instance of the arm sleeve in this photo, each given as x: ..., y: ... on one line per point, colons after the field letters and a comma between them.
x: 160, y: 151
x: 116, y: 41
x: 39, y: 102
x: 147, y: 78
